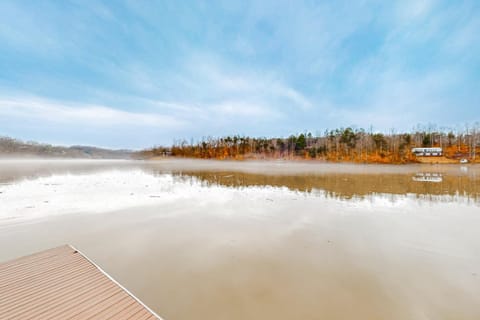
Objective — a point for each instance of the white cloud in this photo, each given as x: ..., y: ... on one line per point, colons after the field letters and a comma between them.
x: 293, y: 95
x: 408, y: 10
x: 73, y: 113
x: 242, y: 109
x: 176, y: 107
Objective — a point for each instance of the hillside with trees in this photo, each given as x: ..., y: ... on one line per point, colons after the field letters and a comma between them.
x: 343, y: 144
x: 14, y: 148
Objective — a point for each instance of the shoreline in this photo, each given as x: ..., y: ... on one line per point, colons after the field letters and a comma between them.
x: 420, y: 160
x: 443, y: 161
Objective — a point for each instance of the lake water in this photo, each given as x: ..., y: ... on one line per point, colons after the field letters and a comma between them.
x: 260, y: 240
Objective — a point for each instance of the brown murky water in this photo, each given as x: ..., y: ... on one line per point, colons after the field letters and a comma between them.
x: 260, y: 240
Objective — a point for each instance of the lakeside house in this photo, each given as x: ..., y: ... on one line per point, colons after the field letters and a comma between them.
x: 427, y: 152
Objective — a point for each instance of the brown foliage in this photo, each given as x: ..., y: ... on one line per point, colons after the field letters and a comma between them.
x: 340, y: 145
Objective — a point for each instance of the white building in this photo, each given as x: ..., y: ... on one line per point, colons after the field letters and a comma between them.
x: 427, y: 152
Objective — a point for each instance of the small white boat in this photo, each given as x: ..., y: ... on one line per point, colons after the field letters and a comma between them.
x: 463, y: 160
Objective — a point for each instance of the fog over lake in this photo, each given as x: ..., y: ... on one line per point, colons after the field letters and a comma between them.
x: 259, y: 240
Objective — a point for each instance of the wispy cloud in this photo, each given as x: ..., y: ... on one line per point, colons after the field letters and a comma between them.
x: 409, y: 10
x: 242, y: 109
x: 52, y: 111
x: 212, y: 81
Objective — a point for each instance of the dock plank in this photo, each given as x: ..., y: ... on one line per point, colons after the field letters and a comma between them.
x: 62, y: 283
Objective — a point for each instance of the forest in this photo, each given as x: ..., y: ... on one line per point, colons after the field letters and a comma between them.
x: 338, y: 145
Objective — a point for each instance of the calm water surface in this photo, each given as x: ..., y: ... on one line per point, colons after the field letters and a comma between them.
x: 260, y: 240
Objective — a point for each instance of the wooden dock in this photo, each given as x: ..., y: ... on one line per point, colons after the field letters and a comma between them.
x: 62, y: 283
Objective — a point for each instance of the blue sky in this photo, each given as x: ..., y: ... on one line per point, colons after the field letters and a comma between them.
x: 132, y: 74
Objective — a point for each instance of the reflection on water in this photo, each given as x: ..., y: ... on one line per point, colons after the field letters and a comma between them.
x: 428, y: 177
x: 222, y: 240
x: 343, y: 181
x: 349, y: 186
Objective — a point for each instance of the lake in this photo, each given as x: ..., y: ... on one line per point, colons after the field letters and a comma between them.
x: 213, y: 240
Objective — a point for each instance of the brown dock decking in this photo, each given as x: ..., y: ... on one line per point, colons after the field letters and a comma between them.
x: 61, y: 283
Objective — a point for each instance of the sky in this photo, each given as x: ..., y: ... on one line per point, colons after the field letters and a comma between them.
x: 134, y: 74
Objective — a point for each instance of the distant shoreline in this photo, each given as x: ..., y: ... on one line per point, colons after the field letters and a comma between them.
x: 419, y: 160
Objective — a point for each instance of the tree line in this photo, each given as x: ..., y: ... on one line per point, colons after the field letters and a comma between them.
x: 342, y: 144
x: 10, y: 147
